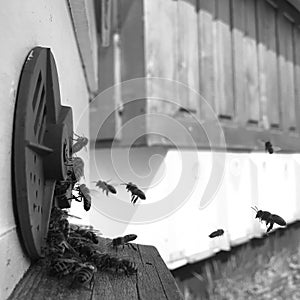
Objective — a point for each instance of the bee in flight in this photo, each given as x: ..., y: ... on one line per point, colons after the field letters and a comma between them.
x: 268, y: 218
x: 269, y: 147
x: 107, y: 188
x: 122, y: 241
x: 216, y: 233
x: 136, y: 193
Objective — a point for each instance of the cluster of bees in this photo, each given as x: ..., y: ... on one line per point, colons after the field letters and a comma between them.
x: 71, y: 251
x: 269, y: 218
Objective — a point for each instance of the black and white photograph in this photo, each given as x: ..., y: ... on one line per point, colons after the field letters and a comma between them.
x: 150, y: 149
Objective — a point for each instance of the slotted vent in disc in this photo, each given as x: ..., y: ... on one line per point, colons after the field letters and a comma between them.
x: 42, y: 140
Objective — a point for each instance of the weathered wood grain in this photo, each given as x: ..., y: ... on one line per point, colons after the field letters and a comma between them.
x: 223, y: 53
x: 296, y: 43
x: 267, y: 56
x: 152, y: 281
x: 161, y: 53
x: 188, y: 67
x: 251, y: 63
x: 286, y: 72
x: 238, y: 34
x: 206, y: 36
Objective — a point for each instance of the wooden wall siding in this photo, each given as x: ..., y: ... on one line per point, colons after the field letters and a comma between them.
x: 223, y: 66
x: 241, y: 55
x: 296, y: 43
x: 188, y: 71
x: 286, y: 72
x: 268, y: 70
x: 251, y: 64
x: 206, y: 37
x: 161, y: 52
x: 109, y: 74
x: 238, y: 40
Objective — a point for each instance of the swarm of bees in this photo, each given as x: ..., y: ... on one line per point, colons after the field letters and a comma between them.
x: 71, y: 251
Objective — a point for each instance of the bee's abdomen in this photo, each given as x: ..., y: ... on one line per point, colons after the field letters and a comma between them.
x: 118, y: 241
x: 278, y: 220
x: 84, y: 275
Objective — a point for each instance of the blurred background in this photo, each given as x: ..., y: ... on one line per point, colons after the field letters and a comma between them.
x: 178, y: 97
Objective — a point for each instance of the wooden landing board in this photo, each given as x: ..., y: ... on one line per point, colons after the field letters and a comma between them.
x: 152, y: 281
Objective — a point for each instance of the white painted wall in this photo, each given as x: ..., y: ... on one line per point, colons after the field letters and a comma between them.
x: 268, y: 181
x: 24, y: 25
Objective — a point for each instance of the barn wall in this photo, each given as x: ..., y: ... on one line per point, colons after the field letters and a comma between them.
x: 24, y: 25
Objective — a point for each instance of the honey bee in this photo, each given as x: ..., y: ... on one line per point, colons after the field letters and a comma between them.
x: 84, y: 194
x: 216, y: 233
x: 268, y: 218
x: 136, y: 193
x: 84, y: 275
x: 269, y: 148
x: 129, y: 267
x: 62, y: 266
x: 122, y: 241
x: 81, y: 142
x: 117, y: 265
x: 77, y: 169
x: 107, y: 188
x: 88, y: 233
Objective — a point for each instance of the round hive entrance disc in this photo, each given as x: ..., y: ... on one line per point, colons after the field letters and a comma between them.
x: 42, y: 131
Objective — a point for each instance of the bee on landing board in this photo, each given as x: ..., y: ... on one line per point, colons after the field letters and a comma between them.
x: 122, y: 241
x: 107, y: 188
x: 136, y: 193
x: 84, y: 275
x: 269, y: 218
x: 216, y: 233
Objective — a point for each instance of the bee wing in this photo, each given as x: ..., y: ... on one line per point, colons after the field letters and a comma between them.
x: 72, y: 216
x: 276, y: 149
x: 261, y: 142
x: 261, y: 146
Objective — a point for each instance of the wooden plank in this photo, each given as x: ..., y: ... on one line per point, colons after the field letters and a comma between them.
x: 132, y: 41
x: 286, y: 72
x: 166, y: 279
x: 206, y: 36
x: 161, y: 53
x: 267, y: 57
x: 238, y: 33
x: 188, y: 68
x: 251, y: 63
x: 223, y: 68
x: 296, y: 43
x: 153, y: 280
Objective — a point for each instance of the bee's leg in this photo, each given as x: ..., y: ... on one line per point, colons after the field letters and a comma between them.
x: 79, y: 199
x: 106, y: 192
x: 270, y: 227
x: 132, y: 246
x: 136, y: 199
